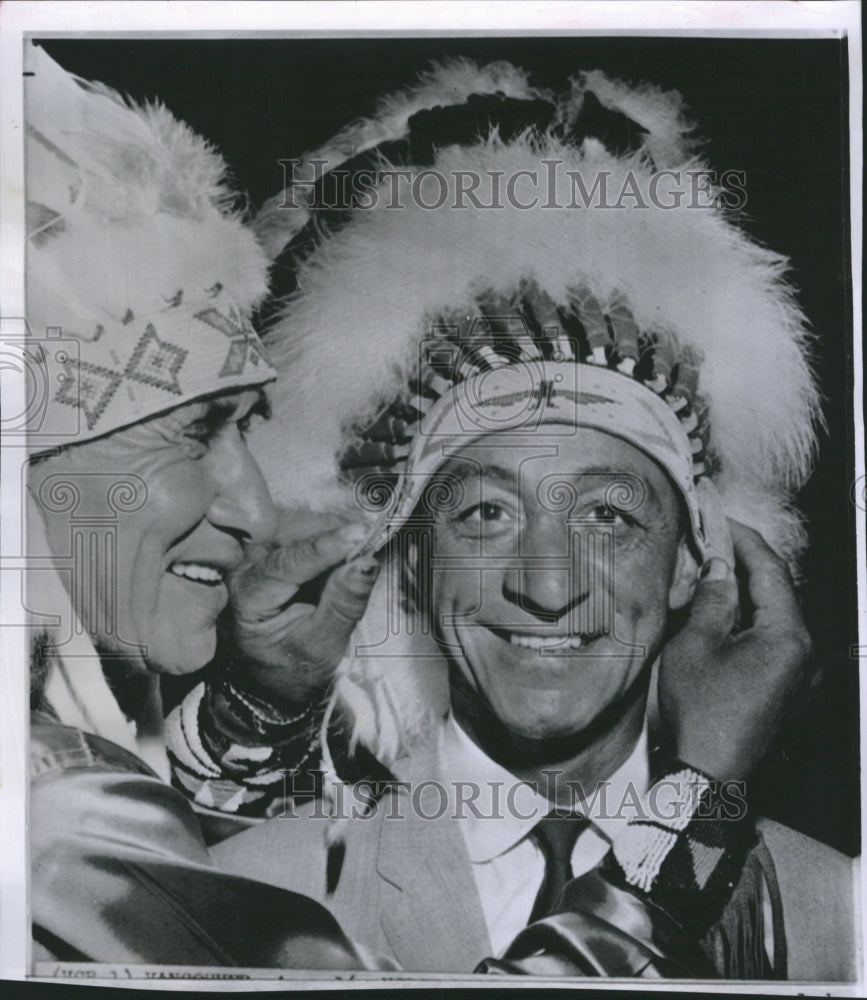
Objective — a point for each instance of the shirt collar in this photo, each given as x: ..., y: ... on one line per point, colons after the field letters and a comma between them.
x: 496, y: 810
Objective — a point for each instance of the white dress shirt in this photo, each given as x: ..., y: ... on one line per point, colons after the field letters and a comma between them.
x: 497, y: 811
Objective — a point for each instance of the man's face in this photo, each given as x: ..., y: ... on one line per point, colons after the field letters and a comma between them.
x: 558, y: 583
x: 205, y: 498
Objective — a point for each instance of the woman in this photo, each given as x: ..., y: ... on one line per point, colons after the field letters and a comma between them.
x: 142, y: 500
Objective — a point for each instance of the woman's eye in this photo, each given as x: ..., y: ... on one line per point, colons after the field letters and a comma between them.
x: 197, y: 442
x: 245, y: 423
x: 200, y: 434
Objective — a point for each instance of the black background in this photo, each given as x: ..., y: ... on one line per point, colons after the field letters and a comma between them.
x: 776, y: 109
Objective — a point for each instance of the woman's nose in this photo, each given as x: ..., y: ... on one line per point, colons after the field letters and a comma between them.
x: 242, y: 504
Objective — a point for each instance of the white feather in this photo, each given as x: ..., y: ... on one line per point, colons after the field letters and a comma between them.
x: 350, y: 338
x: 447, y: 83
x: 348, y: 341
x: 127, y: 182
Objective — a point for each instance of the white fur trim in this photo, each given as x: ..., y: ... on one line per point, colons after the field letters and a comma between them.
x: 447, y: 83
x: 347, y: 343
x: 349, y: 340
x: 131, y: 225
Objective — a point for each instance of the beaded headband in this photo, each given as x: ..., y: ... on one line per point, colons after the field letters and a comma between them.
x: 502, y: 370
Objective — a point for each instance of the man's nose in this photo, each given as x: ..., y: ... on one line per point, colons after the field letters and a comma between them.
x: 242, y: 504
x: 545, y: 583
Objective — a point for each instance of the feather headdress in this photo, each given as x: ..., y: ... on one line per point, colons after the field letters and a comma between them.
x: 628, y: 275
x: 141, y: 274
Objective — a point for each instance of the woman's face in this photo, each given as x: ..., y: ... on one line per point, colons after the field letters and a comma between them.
x: 156, y: 590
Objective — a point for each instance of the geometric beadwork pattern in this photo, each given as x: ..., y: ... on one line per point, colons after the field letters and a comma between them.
x: 155, y: 362
x: 243, y: 349
x: 145, y: 366
x: 705, y: 858
x: 89, y: 387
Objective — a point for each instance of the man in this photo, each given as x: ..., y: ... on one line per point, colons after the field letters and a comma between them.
x: 142, y: 500
x: 562, y: 403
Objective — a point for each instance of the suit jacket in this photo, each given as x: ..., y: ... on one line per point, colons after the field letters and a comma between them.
x: 406, y: 888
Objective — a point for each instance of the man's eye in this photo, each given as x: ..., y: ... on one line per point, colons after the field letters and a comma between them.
x: 604, y: 514
x: 485, y: 512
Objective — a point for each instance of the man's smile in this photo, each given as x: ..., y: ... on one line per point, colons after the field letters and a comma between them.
x: 543, y: 640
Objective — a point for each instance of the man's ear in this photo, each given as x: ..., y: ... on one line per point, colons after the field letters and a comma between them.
x: 684, y: 578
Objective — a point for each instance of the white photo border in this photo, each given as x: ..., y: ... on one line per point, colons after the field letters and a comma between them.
x: 76, y: 19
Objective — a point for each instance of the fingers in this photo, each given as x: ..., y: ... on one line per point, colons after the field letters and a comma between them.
x: 714, y: 607
x: 265, y: 588
x: 718, y: 539
x: 295, y: 525
x: 770, y: 584
x: 345, y: 598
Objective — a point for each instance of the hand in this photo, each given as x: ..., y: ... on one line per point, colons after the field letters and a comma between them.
x: 722, y: 695
x: 292, y: 646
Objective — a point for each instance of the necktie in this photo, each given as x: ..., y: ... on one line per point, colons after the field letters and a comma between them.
x: 556, y: 835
